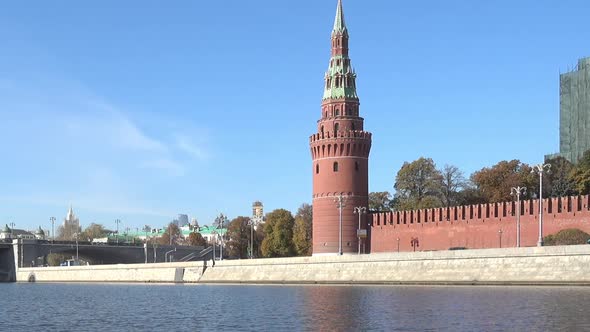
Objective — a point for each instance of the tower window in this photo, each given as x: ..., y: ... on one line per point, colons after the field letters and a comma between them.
x: 317, y: 169
x: 356, y: 165
x: 322, y: 129
x: 335, y: 166
x: 353, y: 126
x: 336, y: 128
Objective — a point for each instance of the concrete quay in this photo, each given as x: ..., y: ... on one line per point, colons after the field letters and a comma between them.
x: 564, y: 265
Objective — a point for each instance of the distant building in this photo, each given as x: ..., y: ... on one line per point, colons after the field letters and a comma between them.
x: 39, y: 234
x: 211, y: 233
x: 182, y: 220
x: 574, y: 112
x: 5, y: 234
x: 13, y: 233
x: 257, y: 210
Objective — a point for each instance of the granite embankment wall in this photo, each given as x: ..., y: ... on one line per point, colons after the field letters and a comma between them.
x: 477, y: 226
x: 545, y: 265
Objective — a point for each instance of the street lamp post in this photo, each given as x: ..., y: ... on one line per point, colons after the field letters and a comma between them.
x: 398, y: 244
x: 214, y: 238
x: 540, y: 168
x: 518, y: 191
x: 166, y: 255
x: 52, y: 219
x: 341, y: 202
x: 251, y: 223
x: 117, y: 221
x: 77, y: 257
x: 12, y: 230
x: 360, y: 210
x: 220, y: 221
x: 500, y: 236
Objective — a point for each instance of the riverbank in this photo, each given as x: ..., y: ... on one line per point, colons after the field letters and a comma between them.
x: 565, y: 265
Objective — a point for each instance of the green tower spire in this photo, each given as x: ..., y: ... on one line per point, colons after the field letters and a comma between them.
x: 340, y: 77
x: 339, y: 23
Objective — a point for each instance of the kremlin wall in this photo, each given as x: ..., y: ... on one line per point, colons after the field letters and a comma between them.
x: 492, y: 225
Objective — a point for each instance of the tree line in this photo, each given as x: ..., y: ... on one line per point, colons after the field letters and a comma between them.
x: 420, y: 184
x: 280, y: 235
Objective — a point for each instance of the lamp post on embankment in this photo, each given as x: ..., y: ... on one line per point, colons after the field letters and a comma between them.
x: 360, y: 210
x: 340, y: 202
x: 117, y: 221
x: 518, y: 191
x: 540, y: 168
x: 52, y: 219
x: 500, y: 237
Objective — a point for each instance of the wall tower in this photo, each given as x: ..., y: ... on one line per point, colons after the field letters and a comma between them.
x: 340, y: 152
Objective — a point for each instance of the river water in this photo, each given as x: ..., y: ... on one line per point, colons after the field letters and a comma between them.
x: 140, y: 307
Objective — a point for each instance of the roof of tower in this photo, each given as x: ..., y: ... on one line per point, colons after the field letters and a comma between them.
x: 339, y: 23
x: 39, y: 231
x: 6, y: 229
x: 70, y: 215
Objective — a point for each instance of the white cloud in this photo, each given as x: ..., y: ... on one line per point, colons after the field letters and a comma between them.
x: 184, y: 144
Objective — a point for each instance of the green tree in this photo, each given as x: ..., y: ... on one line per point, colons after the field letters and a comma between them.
x: 238, y: 234
x: 558, y: 182
x: 495, y: 183
x: 278, y: 234
x: 196, y: 240
x: 470, y: 195
x: 302, y: 230
x: 418, y: 185
x: 580, y: 175
x: 380, y: 201
x: 171, y: 236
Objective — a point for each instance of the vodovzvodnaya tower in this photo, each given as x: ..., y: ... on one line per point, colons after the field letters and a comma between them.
x: 340, y: 153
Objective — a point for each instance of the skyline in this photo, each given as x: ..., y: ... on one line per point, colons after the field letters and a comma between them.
x: 145, y: 126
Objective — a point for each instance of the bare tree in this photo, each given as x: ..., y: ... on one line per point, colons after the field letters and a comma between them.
x: 452, y: 182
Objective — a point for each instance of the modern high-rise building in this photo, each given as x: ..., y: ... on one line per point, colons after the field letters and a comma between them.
x: 340, y: 152
x: 574, y: 112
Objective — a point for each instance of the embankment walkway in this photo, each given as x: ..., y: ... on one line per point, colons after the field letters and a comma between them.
x: 564, y: 265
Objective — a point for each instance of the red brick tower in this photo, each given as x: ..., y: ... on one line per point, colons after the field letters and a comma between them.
x: 340, y: 152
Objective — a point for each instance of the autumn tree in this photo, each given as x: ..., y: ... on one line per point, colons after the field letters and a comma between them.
x: 302, y: 230
x: 452, y: 183
x: 171, y: 236
x: 238, y: 234
x: 380, y: 201
x: 278, y: 232
x: 94, y: 231
x: 196, y: 240
x: 495, y: 183
x: 418, y: 185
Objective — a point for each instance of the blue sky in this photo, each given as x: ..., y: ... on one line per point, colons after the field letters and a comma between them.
x: 140, y: 111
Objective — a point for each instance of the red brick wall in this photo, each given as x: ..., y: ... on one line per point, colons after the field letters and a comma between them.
x: 476, y: 226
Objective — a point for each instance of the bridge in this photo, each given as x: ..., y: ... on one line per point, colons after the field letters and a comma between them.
x: 31, y: 253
